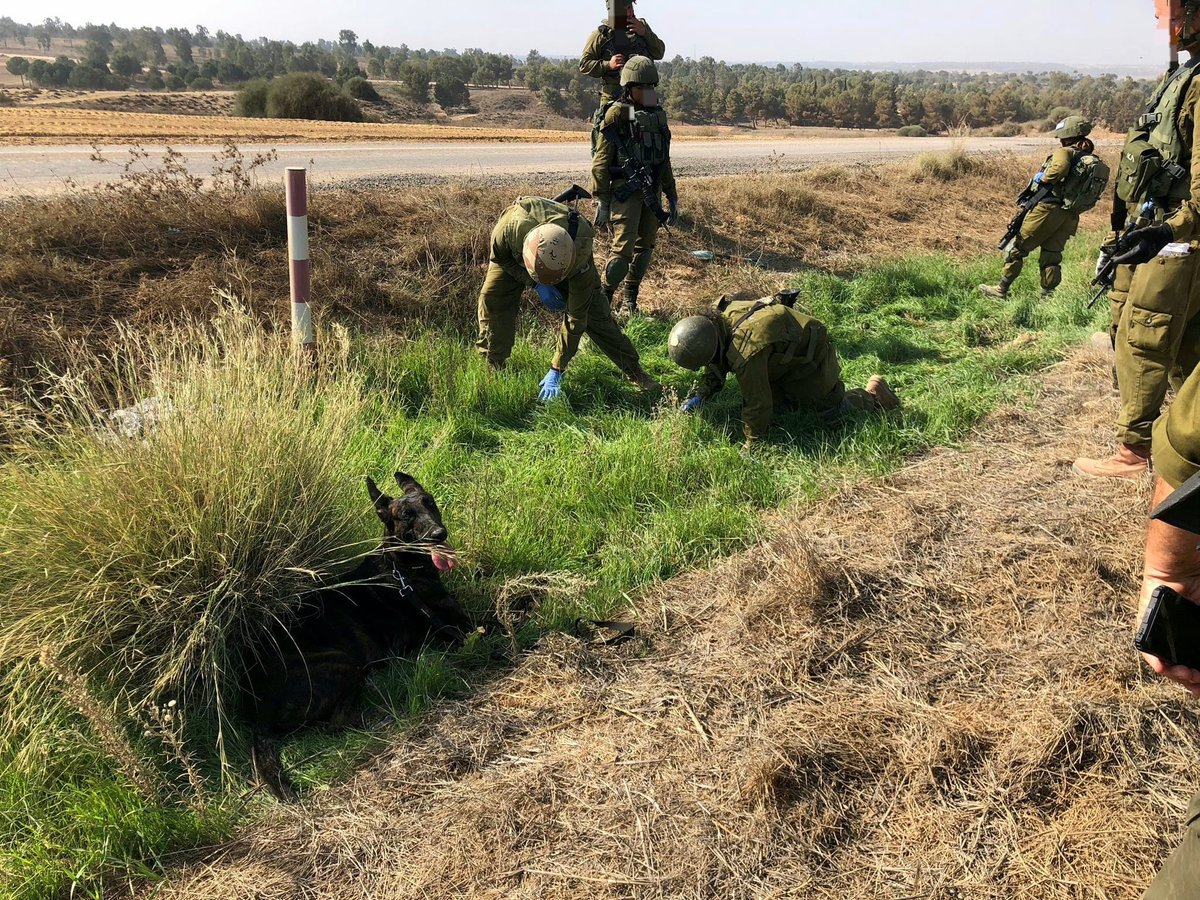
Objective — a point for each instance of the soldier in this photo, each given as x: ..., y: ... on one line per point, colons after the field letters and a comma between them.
x: 783, y: 360
x: 1159, y: 328
x: 1173, y: 558
x: 546, y: 245
x: 1076, y: 178
x: 611, y: 46
x: 633, y: 137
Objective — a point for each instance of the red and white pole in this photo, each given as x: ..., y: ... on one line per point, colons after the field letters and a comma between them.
x: 296, y: 191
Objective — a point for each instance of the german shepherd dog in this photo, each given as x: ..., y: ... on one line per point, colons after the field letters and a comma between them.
x: 314, y: 669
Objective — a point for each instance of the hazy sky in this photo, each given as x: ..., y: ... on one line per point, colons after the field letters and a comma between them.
x: 1080, y: 32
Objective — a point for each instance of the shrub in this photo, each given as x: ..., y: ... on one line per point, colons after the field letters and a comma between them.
x: 200, y: 84
x: 450, y: 92
x: 912, y: 131
x: 124, y: 63
x: 361, y: 89
x: 303, y: 95
x: 6, y: 99
x: 87, y: 77
x: 154, y: 80
x: 947, y: 166
x: 1007, y: 129
x: 174, y: 82
x: 252, y: 100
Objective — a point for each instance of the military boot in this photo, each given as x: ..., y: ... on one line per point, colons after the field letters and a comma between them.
x: 885, y: 397
x: 1047, y: 293
x: 999, y: 291
x: 1130, y: 461
x: 644, y: 381
x: 631, y: 296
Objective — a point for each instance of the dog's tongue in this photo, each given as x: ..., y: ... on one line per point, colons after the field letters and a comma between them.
x: 444, y: 561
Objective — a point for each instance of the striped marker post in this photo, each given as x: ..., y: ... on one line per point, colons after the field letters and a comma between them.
x: 299, y: 270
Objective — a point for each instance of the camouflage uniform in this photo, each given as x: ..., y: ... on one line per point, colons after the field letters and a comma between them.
x: 634, y: 224
x: 605, y: 43
x: 783, y: 361
x: 587, y: 308
x: 1047, y: 226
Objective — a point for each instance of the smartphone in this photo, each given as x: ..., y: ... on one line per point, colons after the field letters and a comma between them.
x: 1170, y: 629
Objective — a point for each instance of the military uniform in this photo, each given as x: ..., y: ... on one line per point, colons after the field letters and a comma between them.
x: 783, y: 360
x: 587, y: 309
x: 605, y: 43
x: 634, y: 224
x: 1048, y: 226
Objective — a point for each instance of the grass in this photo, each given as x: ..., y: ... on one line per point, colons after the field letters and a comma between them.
x: 137, y: 567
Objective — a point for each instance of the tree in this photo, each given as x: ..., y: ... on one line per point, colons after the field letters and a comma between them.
x: 95, y: 55
x: 181, y: 40
x: 18, y: 65
x: 125, y: 63
x: 347, y: 40
x: 448, y: 92
x: 414, y: 81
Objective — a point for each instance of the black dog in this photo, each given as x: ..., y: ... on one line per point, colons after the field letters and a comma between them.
x: 314, y: 669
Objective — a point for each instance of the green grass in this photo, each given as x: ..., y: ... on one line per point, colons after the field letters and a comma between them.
x: 137, y: 567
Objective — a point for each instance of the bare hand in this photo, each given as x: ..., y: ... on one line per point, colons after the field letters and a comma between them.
x: 617, y: 61
x: 1189, y: 679
x: 635, y: 25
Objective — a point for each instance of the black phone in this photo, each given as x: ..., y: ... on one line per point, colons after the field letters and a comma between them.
x: 1170, y: 629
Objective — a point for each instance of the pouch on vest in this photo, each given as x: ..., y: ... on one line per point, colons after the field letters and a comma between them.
x: 1141, y: 174
x: 1085, y: 183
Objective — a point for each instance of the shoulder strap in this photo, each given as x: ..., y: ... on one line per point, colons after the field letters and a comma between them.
x: 761, y: 304
x: 1167, y: 82
x: 573, y: 223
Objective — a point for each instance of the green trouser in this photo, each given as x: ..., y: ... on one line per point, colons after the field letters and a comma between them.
x: 1179, y: 878
x: 635, y: 232
x: 1159, y: 331
x: 1046, y: 226
x: 817, y: 386
x: 1122, y: 279
x: 499, y: 300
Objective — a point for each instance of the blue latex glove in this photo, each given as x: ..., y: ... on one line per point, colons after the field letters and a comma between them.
x: 552, y: 298
x: 672, y: 211
x: 691, y: 404
x: 1037, y: 179
x: 551, y: 386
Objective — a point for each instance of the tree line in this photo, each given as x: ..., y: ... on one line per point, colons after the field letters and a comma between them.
x: 697, y: 91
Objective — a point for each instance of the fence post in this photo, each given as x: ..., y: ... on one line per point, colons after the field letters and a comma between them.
x: 299, y: 270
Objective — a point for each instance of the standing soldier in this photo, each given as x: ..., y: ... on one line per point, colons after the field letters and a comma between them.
x: 630, y: 172
x: 783, y: 360
x: 619, y: 39
x: 1159, y: 329
x: 546, y: 245
x: 1069, y: 183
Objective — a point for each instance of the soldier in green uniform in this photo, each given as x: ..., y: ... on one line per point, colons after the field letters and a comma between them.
x: 546, y: 245
x: 1075, y: 184
x: 1159, y: 327
x: 641, y: 126
x: 609, y: 47
x: 783, y: 360
x: 1173, y: 558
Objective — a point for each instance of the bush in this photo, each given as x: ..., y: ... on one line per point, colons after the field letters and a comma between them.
x: 124, y: 63
x: 174, y: 82
x: 450, y: 92
x: 87, y: 78
x: 361, y: 89
x: 154, y: 80
x: 200, y: 84
x: 6, y: 99
x: 942, y: 166
x: 303, y: 95
x: 252, y: 100
x: 1007, y: 129
x: 912, y: 131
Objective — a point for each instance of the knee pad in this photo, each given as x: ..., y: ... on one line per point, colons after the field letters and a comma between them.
x: 615, y: 271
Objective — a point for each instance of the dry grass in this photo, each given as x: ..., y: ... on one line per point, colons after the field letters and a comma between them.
x: 919, y: 689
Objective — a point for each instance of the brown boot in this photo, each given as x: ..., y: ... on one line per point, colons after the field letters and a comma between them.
x: 999, y: 291
x: 1130, y: 461
x: 644, y: 381
x: 885, y: 397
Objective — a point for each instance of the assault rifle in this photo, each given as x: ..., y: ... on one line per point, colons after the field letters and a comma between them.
x: 637, y: 176
x: 1106, y: 272
x: 1028, y: 199
x: 571, y: 194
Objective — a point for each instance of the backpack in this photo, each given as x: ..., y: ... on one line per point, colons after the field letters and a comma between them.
x: 1084, y: 185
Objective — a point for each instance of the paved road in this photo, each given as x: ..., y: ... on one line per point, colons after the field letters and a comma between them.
x: 41, y: 170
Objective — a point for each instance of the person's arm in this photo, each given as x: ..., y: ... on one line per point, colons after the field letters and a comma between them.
x: 1059, y: 166
x: 758, y: 406
x: 591, y: 61
x: 1185, y: 224
x: 606, y: 157
x: 654, y: 44
x: 502, y: 253
x: 711, y: 384
x: 583, y: 289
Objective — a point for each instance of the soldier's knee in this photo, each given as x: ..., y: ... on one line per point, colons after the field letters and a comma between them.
x: 615, y: 271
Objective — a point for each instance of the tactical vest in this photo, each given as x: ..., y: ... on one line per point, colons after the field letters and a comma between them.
x: 770, y: 324
x: 1156, y: 160
x: 649, y: 137
x: 1084, y: 184
x: 614, y: 42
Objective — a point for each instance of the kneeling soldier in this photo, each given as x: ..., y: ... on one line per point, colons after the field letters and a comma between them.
x: 783, y: 360
x: 546, y: 245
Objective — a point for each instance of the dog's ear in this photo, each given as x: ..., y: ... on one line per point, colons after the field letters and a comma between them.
x: 407, y: 482
x: 381, y: 500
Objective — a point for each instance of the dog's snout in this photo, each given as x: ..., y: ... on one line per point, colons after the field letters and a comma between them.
x: 437, y: 535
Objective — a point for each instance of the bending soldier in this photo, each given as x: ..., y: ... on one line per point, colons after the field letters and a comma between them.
x: 634, y: 138
x: 783, y: 361
x: 1074, y: 178
x: 546, y: 245
x: 1159, y: 328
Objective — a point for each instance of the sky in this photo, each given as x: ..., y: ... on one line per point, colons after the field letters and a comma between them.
x: 1072, y: 32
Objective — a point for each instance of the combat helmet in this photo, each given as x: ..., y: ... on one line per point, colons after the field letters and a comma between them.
x: 693, y: 342
x: 1072, y: 128
x: 548, y: 253
x: 639, y: 70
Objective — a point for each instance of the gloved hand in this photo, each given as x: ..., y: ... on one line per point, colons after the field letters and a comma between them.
x: 692, y: 403
x: 552, y: 298
x: 1143, y: 244
x: 1037, y: 179
x: 603, y: 213
x: 672, y: 211
x: 551, y: 386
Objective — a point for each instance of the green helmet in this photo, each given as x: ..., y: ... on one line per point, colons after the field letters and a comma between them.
x: 693, y: 342
x: 639, y: 70
x: 1072, y: 128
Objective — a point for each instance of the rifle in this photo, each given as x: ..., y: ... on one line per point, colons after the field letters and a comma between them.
x: 637, y: 176
x: 1107, y: 270
x: 1027, y: 200
x: 571, y: 194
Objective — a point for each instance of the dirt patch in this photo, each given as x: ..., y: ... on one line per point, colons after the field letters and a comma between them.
x: 918, y: 689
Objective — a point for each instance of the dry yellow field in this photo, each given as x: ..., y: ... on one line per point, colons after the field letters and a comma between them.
x: 41, y: 125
